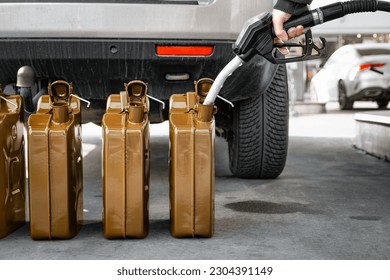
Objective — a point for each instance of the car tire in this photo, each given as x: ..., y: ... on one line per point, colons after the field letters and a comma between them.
x: 259, y: 139
x: 344, y: 102
x: 382, y: 103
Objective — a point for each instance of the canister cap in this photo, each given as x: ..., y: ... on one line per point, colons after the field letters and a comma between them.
x: 25, y: 77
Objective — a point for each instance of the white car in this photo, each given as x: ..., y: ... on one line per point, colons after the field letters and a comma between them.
x: 353, y: 73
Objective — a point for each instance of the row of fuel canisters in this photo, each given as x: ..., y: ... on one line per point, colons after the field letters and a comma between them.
x: 55, y: 164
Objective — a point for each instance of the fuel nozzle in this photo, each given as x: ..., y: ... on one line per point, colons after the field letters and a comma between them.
x: 257, y: 36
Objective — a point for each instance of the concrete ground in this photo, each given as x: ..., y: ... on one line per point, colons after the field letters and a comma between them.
x: 331, y: 202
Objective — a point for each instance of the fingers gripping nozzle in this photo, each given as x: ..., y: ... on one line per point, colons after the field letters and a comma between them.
x: 257, y: 38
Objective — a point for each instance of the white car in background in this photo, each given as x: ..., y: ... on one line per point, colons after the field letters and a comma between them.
x: 355, y: 73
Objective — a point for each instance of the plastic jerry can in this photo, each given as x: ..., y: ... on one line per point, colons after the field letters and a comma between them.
x: 55, y: 165
x: 191, y: 163
x: 126, y: 163
x: 12, y: 164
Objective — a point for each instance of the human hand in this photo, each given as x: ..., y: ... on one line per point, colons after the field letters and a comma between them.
x: 279, y: 18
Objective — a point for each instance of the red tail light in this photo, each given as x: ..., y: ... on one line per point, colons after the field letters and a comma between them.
x: 184, y: 50
x: 367, y: 66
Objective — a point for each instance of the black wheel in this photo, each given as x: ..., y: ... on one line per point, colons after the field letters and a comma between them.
x: 259, y: 141
x: 344, y: 102
x: 382, y: 103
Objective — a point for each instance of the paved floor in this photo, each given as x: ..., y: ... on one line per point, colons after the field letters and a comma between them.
x: 331, y: 202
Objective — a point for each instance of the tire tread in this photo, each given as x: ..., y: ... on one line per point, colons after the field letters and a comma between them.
x: 258, y: 148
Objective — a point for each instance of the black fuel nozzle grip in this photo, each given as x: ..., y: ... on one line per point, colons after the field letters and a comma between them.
x: 307, y: 51
x: 257, y: 36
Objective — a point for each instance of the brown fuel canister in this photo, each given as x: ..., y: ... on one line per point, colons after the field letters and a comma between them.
x: 192, y: 136
x: 126, y: 163
x: 55, y: 165
x: 12, y: 164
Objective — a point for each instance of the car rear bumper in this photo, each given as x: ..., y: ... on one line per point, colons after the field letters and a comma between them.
x: 215, y: 20
x: 98, y: 67
x: 372, y: 89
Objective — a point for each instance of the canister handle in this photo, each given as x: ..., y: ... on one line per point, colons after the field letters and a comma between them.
x: 8, y: 101
x: 124, y: 99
